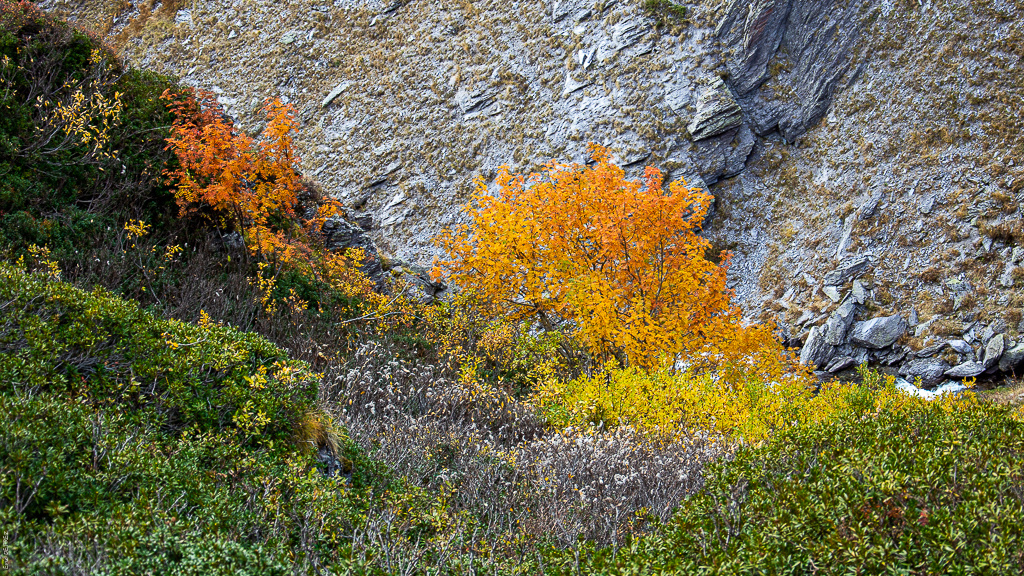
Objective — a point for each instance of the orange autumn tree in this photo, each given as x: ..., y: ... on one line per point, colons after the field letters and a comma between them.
x: 252, y: 185
x: 618, y: 262
x: 248, y: 183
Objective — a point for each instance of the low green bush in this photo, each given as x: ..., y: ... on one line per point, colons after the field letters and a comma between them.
x: 146, y: 445
x: 913, y: 489
x: 68, y: 172
x: 665, y: 12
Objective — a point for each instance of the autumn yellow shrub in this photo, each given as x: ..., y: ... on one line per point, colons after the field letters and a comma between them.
x: 617, y: 269
x: 617, y: 263
x: 745, y: 406
x: 876, y: 393
x: 668, y: 404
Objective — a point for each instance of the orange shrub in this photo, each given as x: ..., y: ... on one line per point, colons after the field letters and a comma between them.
x: 246, y: 182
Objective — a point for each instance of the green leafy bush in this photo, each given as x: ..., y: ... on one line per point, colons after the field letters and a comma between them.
x: 81, y: 139
x: 137, y: 443
x: 916, y: 488
x: 61, y: 340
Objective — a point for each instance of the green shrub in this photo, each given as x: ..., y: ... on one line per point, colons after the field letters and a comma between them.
x: 56, y: 188
x: 914, y: 489
x: 149, y: 442
x: 665, y: 12
x: 135, y: 445
x: 61, y: 340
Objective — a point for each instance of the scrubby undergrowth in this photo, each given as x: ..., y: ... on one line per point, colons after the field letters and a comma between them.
x: 888, y: 488
x: 303, y: 423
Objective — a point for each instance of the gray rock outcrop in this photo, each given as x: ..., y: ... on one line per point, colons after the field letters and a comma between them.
x: 1012, y: 358
x: 816, y: 351
x: 848, y: 269
x: 340, y: 234
x: 962, y: 348
x: 810, y: 46
x: 717, y: 111
x: 878, y: 333
x: 755, y: 36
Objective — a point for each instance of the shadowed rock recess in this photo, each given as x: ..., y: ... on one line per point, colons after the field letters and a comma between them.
x: 867, y: 158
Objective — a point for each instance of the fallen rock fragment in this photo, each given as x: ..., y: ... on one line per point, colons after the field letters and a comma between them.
x: 878, y: 333
x: 966, y: 370
x: 994, y: 350
x: 334, y: 94
x: 932, y: 350
x: 717, y: 112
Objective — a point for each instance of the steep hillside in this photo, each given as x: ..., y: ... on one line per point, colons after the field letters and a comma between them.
x: 881, y: 140
x: 197, y: 377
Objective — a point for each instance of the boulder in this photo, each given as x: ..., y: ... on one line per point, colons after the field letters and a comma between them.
x: 966, y: 370
x: 1012, y: 358
x: 878, y: 332
x: 1006, y: 278
x: 894, y: 356
x: 994, y: 350
x: 961, y: 347
x: 839, y: 323
x: 848, y: 269
x: 870, y: 206
x: 816, y: 351
x: 717, y: 112
x: 930, y: 370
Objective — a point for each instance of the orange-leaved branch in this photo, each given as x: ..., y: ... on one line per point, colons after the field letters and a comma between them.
x: 618, y: 262
x: 248, y: 183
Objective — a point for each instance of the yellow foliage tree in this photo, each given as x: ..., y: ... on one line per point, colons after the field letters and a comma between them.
x: 619, y: 263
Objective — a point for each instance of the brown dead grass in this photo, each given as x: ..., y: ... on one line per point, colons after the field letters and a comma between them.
x: 1010, y: 392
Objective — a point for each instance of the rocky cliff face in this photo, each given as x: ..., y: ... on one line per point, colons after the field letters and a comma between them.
x: 867, y: 156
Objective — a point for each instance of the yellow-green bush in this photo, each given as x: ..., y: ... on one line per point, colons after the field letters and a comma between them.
x: 888, y: 484
x: 666, y: 403
x: 739, y: 404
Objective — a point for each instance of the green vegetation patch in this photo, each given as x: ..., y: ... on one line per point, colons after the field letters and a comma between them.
x: 665, y: 12
x: 924, y: 489
x: 82, y: 144
x: 140, y: 445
